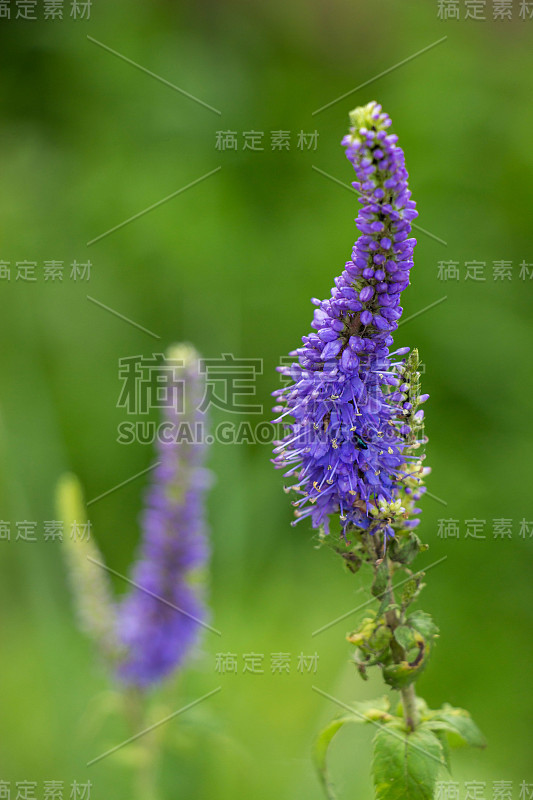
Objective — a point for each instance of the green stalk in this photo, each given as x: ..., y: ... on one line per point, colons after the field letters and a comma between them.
x: 146, y: 768
x: 410, y: 712
x: 408, y: 693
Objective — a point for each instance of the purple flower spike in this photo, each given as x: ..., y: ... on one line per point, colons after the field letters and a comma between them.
x: 345, y: 446
x: 159, y: 621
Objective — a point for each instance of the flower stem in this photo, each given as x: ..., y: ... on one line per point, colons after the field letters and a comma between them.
x: 410, y: 712
x: 146, y: 766
x: 408, y: 693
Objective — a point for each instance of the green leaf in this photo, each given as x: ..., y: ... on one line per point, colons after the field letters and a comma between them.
x: 381, y: 579
x: 459, y: 725
x: 364, y: 631
x: 380, y: 639
x: 404, y: 550
x: 320, y: 750
x: 423, y: 631
x: 369, y: 711
x: 386, y: 605
x: 405, y: 637
x: 443, y: 739
x: 411, y: 590
x: 406, y: 765
x: 400, y: 675
x: 374, y: 709
x: 423, y: 623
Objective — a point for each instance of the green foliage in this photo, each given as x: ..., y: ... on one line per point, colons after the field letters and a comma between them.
x: 458, y: 725
x: 422, y: 622
x: 405, y: 636
x: 415, y: 637
x: 404, y: 549
x: 372, y: 711
x: 443, y: 739
x: 406, y: 765
x: 320, y: 750
x: 408, y: 752
x: 398, y: 676
x: 411, y: 589
x: 381, y: 579
x: 372, y: 638
x: 352, y: 551
x: 400, y: 648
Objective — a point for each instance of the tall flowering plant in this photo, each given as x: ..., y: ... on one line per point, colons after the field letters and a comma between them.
x: 148, y: 635
x: 161, y: 618
x: 352, y: 452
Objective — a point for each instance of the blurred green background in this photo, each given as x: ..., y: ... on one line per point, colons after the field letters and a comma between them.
x: 88, y: 141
